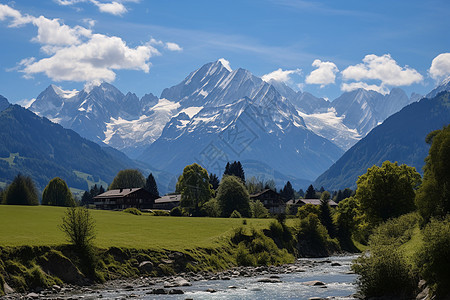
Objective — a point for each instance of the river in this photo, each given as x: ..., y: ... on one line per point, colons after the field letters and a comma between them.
x: 333, y: 271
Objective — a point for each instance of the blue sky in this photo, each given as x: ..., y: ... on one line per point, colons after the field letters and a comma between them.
x: 323, y: 47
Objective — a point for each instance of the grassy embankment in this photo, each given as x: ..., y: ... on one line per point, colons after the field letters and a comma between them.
x: 30, y: 235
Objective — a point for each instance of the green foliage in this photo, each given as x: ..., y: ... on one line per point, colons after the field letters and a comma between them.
x: 79, y: 227
x: 176, y: 212
x: 313, y: 237
x: 307, y: 209
x: 325, y: 214
x: 235, y: 169
x: 433, y: 197
x: 151, y: 186
x: 21, y: 191
x: 232, y: 195
x: 288, y: 192
x: 347, y: 219
x: 433, y: 259
x: 126, y: 179
x: 395, y: 232
x: 258, y: 209
x: 57, y: 193
x: 387, y: 192
x: 161, y: 213
x: 385, y: 272
x: 211, y: 208
x: 194, y: 187
x: 133, y: 211
x: 235, y: 214
x: 310, y: 193
x: 214, y: 181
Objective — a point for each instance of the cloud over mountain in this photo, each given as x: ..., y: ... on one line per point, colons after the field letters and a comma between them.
x: 324, y: 74
x: 440, y: 66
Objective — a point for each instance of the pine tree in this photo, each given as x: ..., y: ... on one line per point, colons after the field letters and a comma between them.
x: 310, y: 193
x: 301, y: 192
x: 101, y: 190
x: 21, y: 191
x: 214, y: 181
x: 325, y: 213
x: 86, y: 199
x: 235, y: 169
x: 288, y: 192
x: 151, y: 186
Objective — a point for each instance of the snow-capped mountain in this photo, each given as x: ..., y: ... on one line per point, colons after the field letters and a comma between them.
x: 105, y: 115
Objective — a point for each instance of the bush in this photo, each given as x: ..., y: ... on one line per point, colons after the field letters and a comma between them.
x: 258, y: 210
x: 313, y: 237
x: 176, y: 212
x: 385, y: 272
x: 433, y: 259
x: 133, y: 211
x: 211, y: 208
x: 79, y: 227
x: 395, y: 231
x: 307, y: 209
x: 235, y: 214
x: 161, y: 213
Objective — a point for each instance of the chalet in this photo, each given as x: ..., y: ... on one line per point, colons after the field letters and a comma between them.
x: 271, y: 200
x: 295, y: 204
x: 125, y: 198
x: 167, y: 202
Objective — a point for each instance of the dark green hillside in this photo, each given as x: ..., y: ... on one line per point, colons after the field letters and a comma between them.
x: 37, y: 147
x: 400, y: 138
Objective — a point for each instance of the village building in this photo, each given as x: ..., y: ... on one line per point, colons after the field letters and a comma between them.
x: 125, y: 198
x: 271, y: 200
x: 167, y: 202
x: 295, y: 204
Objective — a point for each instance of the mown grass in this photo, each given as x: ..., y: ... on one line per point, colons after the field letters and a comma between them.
x: 38, y: 226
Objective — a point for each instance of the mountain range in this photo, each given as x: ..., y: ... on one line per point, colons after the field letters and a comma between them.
x: 39, y: 148
x: 401, y: 138
x: 217, y: 114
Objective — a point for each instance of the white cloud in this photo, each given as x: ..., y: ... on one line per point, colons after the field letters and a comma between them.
x: 51, y: 32
x: 382, y: 68
x: 324, y: 74
x: 173, y: 47
x: 26, y: 102
x: 348, y: 87
x: 440, y: 66
x: 115, y: 7
x: 280, y: 75
x: 77, y: 54
x: 93, y: 60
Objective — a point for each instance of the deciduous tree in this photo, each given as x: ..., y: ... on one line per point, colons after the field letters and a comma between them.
x: 57, y: 193
x: 126, y: 179
x: 232, y: 195
x: 21, y: 191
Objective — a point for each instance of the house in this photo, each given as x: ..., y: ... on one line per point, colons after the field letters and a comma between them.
x: 125, y: 198
x: 271, y: 200
x: 294, y: 205
x: 167, y: 202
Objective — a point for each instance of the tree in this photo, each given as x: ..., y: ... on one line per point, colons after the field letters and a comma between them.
x: 325, y: 213
x: 270, y: 185
x: 387, y: 192
x: 258, y: 209
x: 235, y: 169
x: 301, y: 193
x: 57, y: 193
x: 214, y: 181
x: 86, y: 199
x: 127, y: 179
x: 21, y: 191
x: 288, y: 192
x: 151, y: 186
x: 194, y: 187
x: 310, y: 193
x: 433, y: 197
x: 254, y: 185
x: 232, y: 195
x: 79, y: 227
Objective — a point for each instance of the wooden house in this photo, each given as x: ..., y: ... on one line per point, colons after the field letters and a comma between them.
x: 271, y: 200
x: 125, y: 198
x: 167, y: 202
x: 294, y: 205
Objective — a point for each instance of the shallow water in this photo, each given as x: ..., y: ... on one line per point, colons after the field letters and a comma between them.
x: 340, y: 284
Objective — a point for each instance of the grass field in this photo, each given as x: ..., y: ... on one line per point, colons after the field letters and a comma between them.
x: 38, y: 226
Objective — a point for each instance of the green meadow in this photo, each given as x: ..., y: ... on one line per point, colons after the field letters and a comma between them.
x: 38, y: 226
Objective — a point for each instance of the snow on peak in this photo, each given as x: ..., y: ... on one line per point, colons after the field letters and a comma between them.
x: 226, y: 64
x: 63, y: 93
x: 89, y: 86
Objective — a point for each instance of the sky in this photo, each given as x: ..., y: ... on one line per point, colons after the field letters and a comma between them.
x: 322, y: 47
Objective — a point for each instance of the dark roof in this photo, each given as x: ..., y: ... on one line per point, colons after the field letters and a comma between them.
x: 119, y: 193
x: 293, y: 202
x: 317, y: 202
x: 263, y: 192
x: 168, y: 199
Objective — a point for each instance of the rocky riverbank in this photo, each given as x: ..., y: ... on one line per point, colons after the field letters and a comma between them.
x: 184, y: 283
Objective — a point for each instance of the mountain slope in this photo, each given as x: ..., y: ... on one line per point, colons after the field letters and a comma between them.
x: 3, y: 103
x: 400, y: 138
x: 37, y: 147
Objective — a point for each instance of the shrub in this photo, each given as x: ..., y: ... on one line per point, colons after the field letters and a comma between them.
x: 313, y: 237
x: 433, y: 259
x: 395, y: 231
x: 133, y: 211
x: 258, y: 210
x: 211, y: 208
x: 243, y: 256
x: 235, y: 214
x: 161, y: 213
x: 176, y: 212
x: 79, y: 226
x: 385, y: 272
x: 307, y: 209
